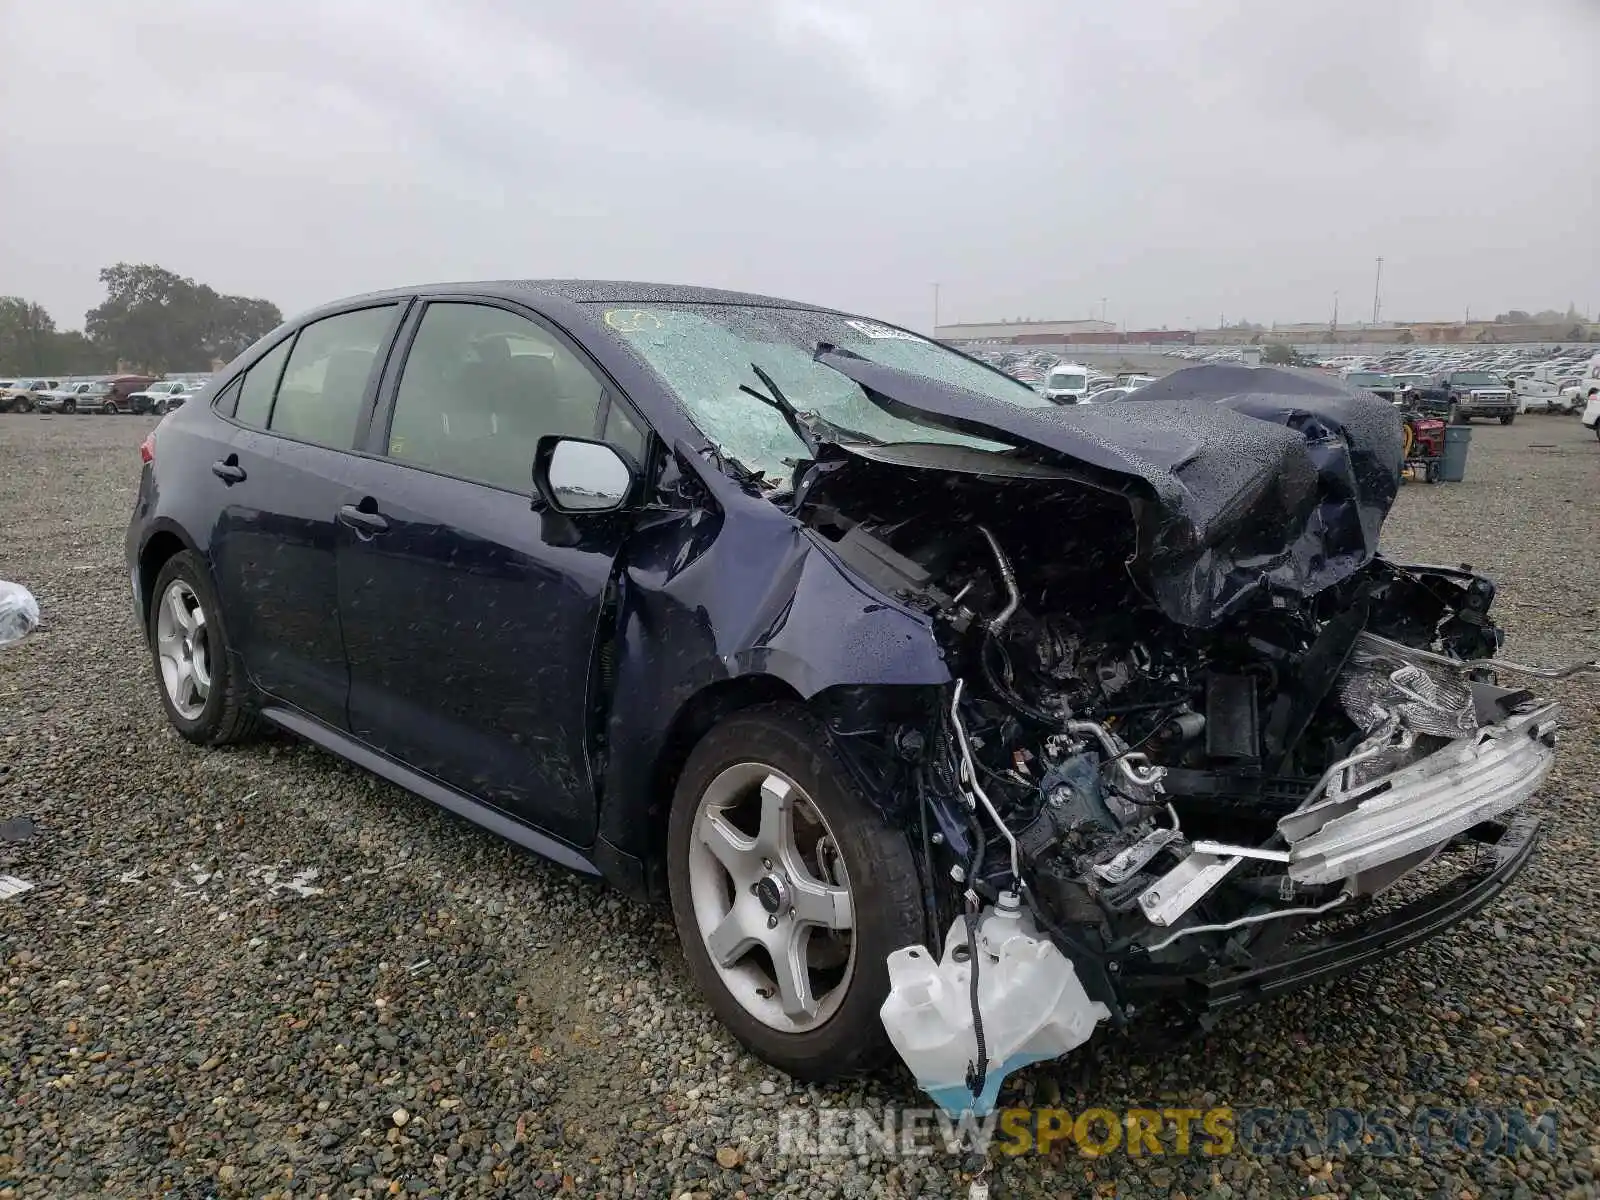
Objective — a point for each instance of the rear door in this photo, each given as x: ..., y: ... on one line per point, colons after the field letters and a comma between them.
x: 470, y: 630
x: 298, y: 414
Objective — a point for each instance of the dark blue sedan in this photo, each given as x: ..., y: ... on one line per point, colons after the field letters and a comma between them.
x: 849, y: 644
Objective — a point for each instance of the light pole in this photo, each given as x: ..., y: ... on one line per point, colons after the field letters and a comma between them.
x: 936, y: 310
x: 1377, y: 285
x: 1102, y: 308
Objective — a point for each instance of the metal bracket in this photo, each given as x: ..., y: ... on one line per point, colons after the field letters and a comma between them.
x: 1181, y: 888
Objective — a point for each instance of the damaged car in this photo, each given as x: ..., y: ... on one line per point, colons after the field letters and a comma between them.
x: 952, y: 723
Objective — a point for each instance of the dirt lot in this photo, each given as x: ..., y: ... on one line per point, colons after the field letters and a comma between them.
x: 262, y: 972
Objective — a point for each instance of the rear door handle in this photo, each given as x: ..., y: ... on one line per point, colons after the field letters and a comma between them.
x: 361, y: 520
x: 228, y: 470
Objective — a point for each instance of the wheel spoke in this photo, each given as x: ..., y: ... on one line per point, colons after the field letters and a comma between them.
x: 200, y: 668
x: 733, y: 937
x: 793, y: 978
x: 182, y: 681
x: 736, y: 852
x: 818, y: 903
x: 179, y: 610
x: 775, y: 838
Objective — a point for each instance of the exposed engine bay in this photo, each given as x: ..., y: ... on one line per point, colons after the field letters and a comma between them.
x: 1114, y: 805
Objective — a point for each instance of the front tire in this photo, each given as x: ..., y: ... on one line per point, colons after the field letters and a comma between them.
x: 789, y: 891
x: 108, y: 409
x: 206, y: 701
x: 1508, y: 418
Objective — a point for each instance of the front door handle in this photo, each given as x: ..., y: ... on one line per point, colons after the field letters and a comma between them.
x: 228, y: 470
x: 361, y: 520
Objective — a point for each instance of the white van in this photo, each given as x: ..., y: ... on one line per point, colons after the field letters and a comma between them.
x: 1066, y: 383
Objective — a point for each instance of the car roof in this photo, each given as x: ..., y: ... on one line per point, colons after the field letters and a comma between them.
x: 581, y: 291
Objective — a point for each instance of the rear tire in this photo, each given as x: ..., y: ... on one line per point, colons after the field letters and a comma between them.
x: 108, y: 409
x: 844, y: 1035
x: 222, y: 714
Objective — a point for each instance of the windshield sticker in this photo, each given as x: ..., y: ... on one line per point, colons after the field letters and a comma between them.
x: 631, y: 320
x: 873, y: 330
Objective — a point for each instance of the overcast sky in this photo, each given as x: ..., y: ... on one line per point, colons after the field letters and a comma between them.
x: 1181, y: 160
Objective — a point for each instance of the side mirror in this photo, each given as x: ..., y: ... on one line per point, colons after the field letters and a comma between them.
x: 579, y: 475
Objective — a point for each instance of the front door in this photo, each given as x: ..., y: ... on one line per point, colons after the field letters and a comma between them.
x: 470, y: 635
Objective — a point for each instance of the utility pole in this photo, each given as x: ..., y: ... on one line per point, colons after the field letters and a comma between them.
x: 1377, y: 286
x: 1333, y: 325
x: 936, y: 310
x: 1102, y: 308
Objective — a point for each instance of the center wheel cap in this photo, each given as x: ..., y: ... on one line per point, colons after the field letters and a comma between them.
x: 773, y: 894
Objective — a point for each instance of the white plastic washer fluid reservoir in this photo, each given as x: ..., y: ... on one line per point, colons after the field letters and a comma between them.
x: 1032, y: 1004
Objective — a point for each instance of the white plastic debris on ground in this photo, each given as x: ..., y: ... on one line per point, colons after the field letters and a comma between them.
x: 19, y: 612
x: 1032, y: 1004
x: 11, y: 886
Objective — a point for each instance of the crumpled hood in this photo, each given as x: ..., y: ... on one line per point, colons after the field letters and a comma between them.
x: 1242, y: 479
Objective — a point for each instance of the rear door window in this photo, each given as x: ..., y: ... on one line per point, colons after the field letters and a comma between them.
x: 325, y: 382
x: 228, y: 399
x: 260, y: 382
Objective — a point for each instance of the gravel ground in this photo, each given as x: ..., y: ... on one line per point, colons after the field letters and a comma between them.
x: 261, y: 972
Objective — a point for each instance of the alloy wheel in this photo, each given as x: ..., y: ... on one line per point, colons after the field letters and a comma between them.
x: 772, y: 898
x: 183, y: 648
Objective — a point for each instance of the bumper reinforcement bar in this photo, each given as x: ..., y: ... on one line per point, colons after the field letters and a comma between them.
x: 1511, y: 844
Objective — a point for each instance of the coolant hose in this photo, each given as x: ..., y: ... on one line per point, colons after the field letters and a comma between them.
x: 1008, y: 697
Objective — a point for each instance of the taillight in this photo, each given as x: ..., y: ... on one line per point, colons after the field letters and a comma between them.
x: 147, y: 448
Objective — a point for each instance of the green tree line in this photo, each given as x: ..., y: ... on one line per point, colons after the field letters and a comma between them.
x: 152, y: 319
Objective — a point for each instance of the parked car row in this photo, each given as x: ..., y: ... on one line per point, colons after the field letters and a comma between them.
x: 1063, y: 381
x: 109, y: 395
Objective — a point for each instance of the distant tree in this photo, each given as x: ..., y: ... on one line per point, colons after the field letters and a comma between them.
x: 1407, y: 337
x: 163, y: 321
x: 71, y: 353
x: 1281, y: 354
x: 26, y: 331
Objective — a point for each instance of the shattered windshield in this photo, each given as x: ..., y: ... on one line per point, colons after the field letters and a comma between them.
x: 704, y: 354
